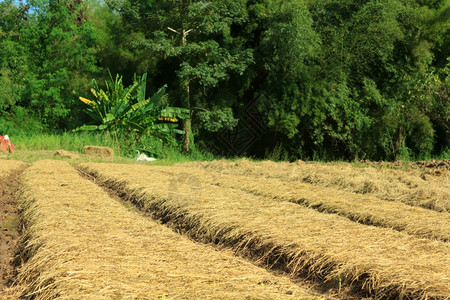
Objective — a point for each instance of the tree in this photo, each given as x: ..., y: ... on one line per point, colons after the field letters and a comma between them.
x: 286, y: 44
x: 193, y: 41
x: 61, y: 60
x: 13, y: 54
x: 126, y: 110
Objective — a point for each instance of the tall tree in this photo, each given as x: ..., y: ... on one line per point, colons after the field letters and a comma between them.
x: 61, y: 59
x: 193, y: 42
x: 13, y: 54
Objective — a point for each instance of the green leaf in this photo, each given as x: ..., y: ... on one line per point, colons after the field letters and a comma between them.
x: 110, y: 117
x: 87, y: 128
x: 156, y: 98
x: 176, y: 112
x: 136, y: 126
x: 142, y: 88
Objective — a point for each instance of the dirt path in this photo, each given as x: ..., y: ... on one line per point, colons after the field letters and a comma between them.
x: 9, y: 223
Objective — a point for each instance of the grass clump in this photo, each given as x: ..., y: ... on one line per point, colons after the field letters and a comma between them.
x: 31, y: 147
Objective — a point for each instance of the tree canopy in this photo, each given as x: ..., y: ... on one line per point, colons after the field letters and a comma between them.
x: 309, y: 79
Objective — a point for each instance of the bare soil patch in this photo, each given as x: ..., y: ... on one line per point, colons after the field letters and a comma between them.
x: 9, y: 225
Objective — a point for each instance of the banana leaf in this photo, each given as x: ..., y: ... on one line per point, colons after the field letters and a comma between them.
x: 135, y: 125
x: 142, y: 88
x: 156, y: 98
x: 86, y: 128
x: 178, y: 112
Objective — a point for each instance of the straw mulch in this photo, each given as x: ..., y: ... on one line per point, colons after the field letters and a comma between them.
x: 380, y: 261
x: 65, y: 154
x: 410, y: 187
x: 82, y: 244
x: 365, y: 209
x: 8, y: 166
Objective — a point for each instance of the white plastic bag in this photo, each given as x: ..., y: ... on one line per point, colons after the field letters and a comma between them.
x: 143, y: 157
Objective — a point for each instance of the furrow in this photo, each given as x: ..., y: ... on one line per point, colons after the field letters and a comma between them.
x: 9, y: 220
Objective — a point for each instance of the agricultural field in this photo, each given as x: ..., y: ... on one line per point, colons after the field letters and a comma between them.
x: 9, y: 218
x: 227, y: 230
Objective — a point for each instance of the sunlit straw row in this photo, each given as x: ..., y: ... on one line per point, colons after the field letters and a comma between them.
x: 8, y: 166
x: 365, y: 209
x: 378, y: 260
x: 82, y: 244
x: 412, y: 187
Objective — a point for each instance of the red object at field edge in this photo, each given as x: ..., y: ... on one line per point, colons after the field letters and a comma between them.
x: 5, y: 145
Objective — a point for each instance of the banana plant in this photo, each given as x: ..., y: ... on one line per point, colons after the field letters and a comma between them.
x: 122, y: 109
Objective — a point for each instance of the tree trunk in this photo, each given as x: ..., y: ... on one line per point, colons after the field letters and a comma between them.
x: 186, y: 101
x: 187, y: 104
x: 187, y: 135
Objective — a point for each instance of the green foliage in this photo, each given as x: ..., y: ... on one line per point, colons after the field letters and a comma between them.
x: 287, y: 42
x: 12, y: 55
x: 19, y: 121
x: 421, y: 135
x: 217, y: 119
x: 123, y: 110
x: 329, y: 79
x: 277, y: 154
x: 48, y: 54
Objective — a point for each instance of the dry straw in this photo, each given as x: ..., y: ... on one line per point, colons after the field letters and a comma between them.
x: 8, y: 166
x: 365, y: 209
x: 380, y: 261
x: 82, y: 244
x: 410, y: 187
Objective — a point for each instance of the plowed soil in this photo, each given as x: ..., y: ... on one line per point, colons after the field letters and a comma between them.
x: 9, y: 220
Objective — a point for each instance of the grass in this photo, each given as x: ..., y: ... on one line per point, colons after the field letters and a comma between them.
x: 67, y: 140
x: 379, y: 261
x: 33, y: 147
